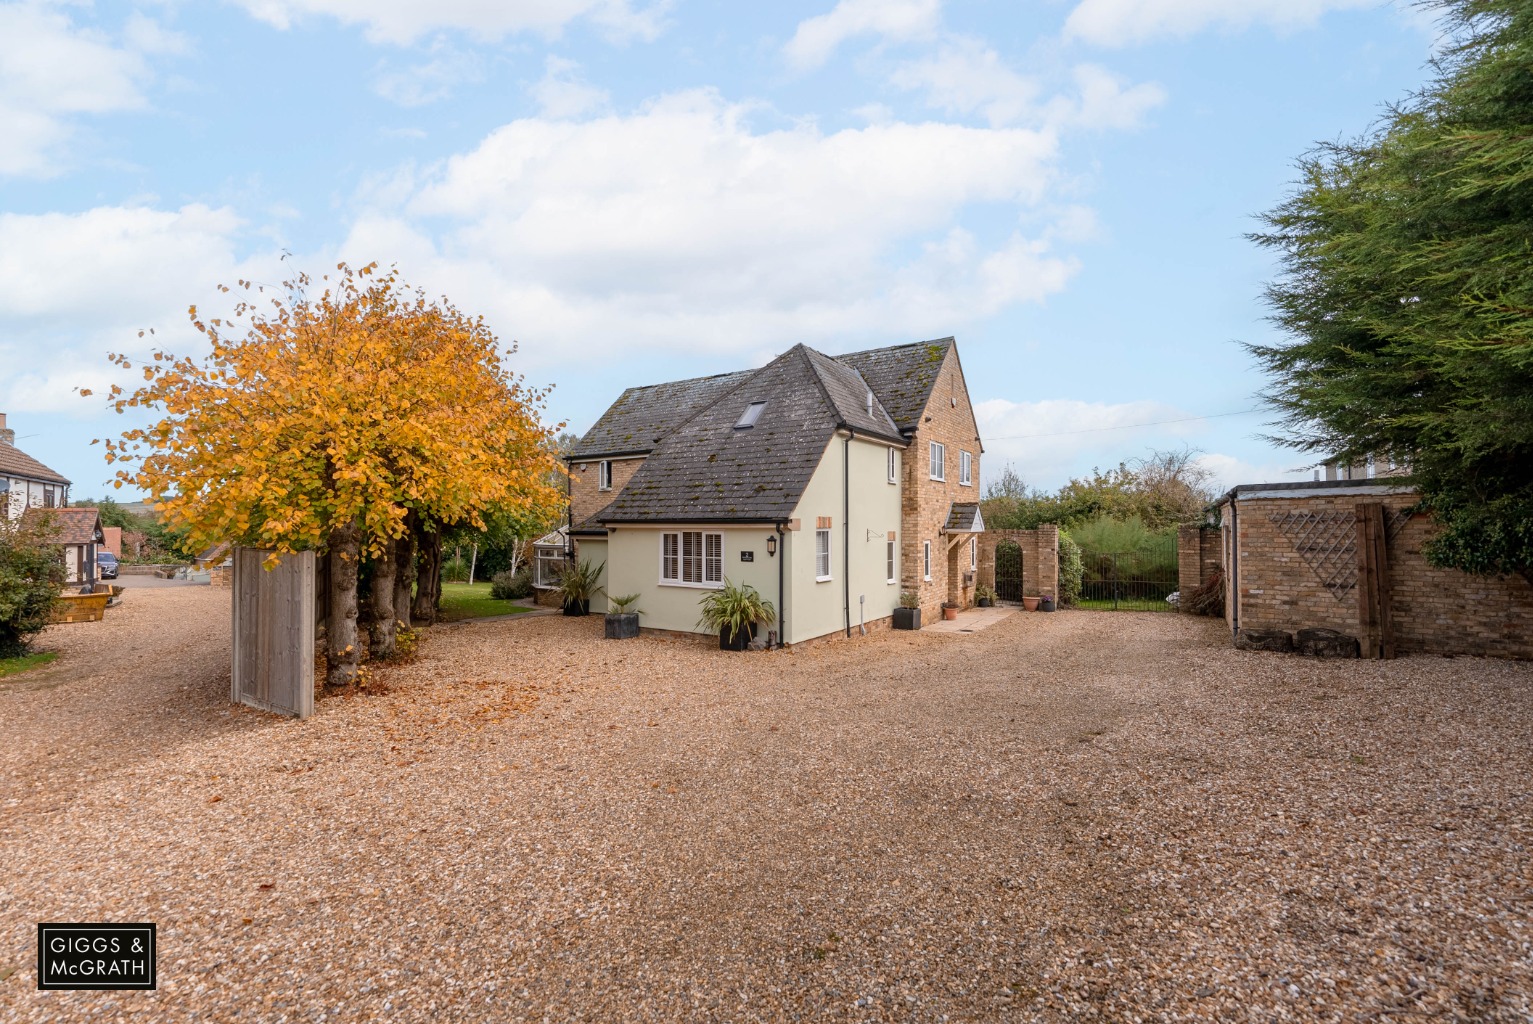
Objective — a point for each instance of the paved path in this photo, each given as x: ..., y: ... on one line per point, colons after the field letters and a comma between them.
x: 971, y: 620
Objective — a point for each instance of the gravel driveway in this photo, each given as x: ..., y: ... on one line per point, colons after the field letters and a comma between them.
x: 1067, y: 817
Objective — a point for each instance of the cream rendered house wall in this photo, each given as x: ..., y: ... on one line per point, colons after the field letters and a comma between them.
x: 594, y: 550
x: 817, y: 606
x: 633, y: 567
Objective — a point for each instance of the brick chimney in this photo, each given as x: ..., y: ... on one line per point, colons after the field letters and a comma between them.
x: 7, y: 436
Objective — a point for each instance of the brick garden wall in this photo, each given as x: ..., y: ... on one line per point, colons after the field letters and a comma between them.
x: 1040, y: 558
x: 1435, y: 611
x: 1198, y: 554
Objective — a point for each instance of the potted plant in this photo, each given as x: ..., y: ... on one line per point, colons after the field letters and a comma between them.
x: 984, y: 596
x: 1046, y: 603
x: 577, y: 584
x: 622, y: 624
x: 908, y: 614
x: 1030, y: 604
x: 733, y: 613
x: 949, y: 610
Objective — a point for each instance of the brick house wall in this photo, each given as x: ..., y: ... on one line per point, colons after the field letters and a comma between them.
x: 949, y: 420
x: 586, y: 498
x: 1040, y: 558
x: 1435, y: 611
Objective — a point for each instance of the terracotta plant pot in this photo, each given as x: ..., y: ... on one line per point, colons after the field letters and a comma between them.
x: 1030, y: 604
x: 950, y: 611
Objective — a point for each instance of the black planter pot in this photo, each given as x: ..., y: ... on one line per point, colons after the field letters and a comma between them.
x: 622, y: 625
x: 741, y: 641
x: 985, y: 602
x: 907, y: 618
x: 1046, y: 605
x: 577, y: 607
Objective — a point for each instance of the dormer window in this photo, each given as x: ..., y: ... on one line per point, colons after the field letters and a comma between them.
x: 749, y: 417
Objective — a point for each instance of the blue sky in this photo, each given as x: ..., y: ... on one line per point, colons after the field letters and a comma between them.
x: 635, y: 191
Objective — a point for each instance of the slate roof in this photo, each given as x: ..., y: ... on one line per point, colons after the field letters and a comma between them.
x: 964, y: 517
x: 902, y: 376
x: 15, y: 462
x: 642, y: 416
x: 848, y: 394
x: 69, y: 525
x: 709, y: 471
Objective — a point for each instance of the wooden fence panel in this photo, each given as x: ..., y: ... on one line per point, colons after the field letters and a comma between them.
x: 273, y: 661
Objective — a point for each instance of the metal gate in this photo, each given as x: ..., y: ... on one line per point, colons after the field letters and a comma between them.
x: 1008, y: 571
x: 1136, y: 581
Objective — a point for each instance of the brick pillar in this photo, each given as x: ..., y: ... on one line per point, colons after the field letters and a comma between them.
x: 1189, y: 559
x: 1048, y: 561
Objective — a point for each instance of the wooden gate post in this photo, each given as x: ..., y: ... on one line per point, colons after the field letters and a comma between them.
x: 1376, y: 627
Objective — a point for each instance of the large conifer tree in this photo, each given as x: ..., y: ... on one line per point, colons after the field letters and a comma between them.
x: 1408, y: 293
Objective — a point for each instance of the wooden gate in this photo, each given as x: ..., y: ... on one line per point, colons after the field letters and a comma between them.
x: 1008, y: 571
x: 273, y: 663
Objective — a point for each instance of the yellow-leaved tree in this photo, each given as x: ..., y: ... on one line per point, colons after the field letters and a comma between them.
x: 349, y: 423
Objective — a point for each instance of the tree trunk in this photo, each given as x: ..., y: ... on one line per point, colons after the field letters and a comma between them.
x: 404, y: 575
x: 473, y: 563
x: 428, y: 577
x: 344, y: 655
x: 383, y: 603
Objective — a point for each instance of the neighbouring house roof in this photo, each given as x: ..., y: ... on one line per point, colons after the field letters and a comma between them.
x: 902, y: 376
x: 15, y: 462
x: 642, y: 416
x: 68, y: 525
x: 964, y: 517
x: 710, y: 470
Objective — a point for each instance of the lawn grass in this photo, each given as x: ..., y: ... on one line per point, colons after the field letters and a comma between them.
x: 1125, y: 604
x: 11, y: 666
x: 473, y: 601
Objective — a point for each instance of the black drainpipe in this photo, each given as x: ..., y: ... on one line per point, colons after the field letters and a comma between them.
x: 846, y: 527
x: 782, y: 555
x: 1234, y: 583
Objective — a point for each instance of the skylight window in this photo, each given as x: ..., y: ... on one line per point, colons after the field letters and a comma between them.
x: 749, y: 417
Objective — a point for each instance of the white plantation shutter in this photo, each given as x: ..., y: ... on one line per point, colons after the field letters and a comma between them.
x: 822, y: 554
x: 713, y: 558
x: 670, y: 556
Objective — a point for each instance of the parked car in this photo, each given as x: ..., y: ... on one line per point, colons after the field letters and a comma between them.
x: 106, y: 565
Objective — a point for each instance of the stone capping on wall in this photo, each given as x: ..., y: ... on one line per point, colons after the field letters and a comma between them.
x: 1040, y: 558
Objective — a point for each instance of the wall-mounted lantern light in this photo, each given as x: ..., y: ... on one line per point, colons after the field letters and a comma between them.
x: 772, y: 546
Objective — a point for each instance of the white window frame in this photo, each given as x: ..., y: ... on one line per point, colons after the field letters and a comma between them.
x: 704, y: 563
x: 604, y: 475
x: 936, y: 457
x: 973, y: 554
x: 546, y: 576
x: 926, y: 559
x: 894, y: 465
x: 965, y: 468
x: 822, y: 551
x: 890, y: 559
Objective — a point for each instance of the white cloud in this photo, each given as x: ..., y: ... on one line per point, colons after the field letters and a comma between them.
x: 967, y: 77
x: 1126, y: 22
x: 1229, y: 471
x: 682, y: 228
x: 404, y: 21
x: 433, y: 80
x: 818, y: 37
x: 75, y: 286
x: 53, y: 71
x: 562, y: 93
